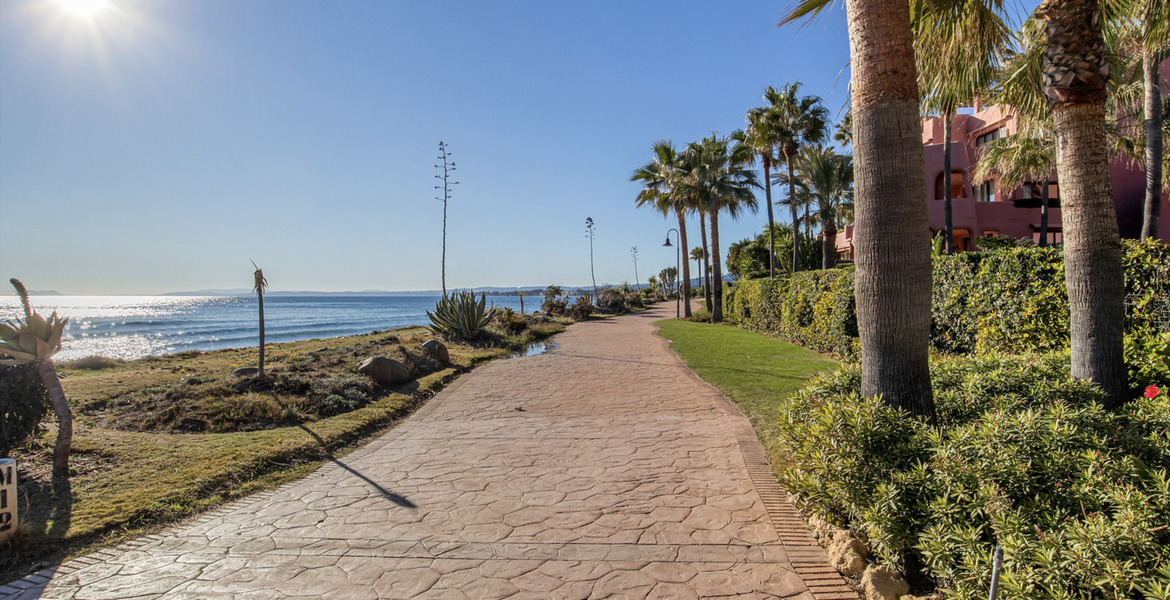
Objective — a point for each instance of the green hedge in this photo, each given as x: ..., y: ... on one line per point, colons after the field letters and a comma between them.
x: 1010, y: 300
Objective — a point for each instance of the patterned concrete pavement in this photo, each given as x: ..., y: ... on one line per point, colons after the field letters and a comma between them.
x: 602, y: 469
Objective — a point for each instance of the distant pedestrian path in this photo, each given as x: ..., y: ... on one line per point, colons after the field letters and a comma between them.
x: 603, y: 469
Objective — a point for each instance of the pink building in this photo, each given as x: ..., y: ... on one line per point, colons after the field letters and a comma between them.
x: 985, y: 207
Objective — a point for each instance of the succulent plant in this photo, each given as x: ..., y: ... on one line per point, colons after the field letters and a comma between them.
x: 461, y: 315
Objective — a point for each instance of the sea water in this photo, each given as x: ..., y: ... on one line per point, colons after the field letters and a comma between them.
x: 131, y: 327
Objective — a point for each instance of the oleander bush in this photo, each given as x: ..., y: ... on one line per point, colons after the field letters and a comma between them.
x: 1022, y: 457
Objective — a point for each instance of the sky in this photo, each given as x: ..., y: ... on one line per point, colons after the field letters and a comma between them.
x: 161, y: 145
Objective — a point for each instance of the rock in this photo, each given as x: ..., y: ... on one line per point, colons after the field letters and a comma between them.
x: 847, y: 553
x: 246, y: 372
x: 384, y: 370
x: 436, y: 350
x: 883, y: 583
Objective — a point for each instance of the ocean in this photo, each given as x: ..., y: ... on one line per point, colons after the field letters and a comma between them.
x: 130, y: 327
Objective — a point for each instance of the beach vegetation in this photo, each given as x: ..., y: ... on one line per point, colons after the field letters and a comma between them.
x: 460, y: 315
x: 447, y: 174
x: 591, y: 233
x: 33, y: 341
x: 24, y: 402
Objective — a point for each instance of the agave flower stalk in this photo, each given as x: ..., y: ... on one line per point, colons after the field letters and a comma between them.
x: 33, y: 341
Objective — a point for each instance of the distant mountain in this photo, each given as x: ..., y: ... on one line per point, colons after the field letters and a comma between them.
x: 249, y: 292
x: 44, y: 293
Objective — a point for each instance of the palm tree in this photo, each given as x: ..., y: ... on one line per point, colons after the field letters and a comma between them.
x: 797, y: 120
x: 33, y: 342
x: 958, y: 51
x: 259, y: 284
x: 659, y: 177
x: 844, y: 132
x: 893, y: 280
x: 718, y: 180
x: 1074, y: 73
x: 761, y: 137
x: 699, y: 255
x: 1016, y: 159
x: 828, y: 177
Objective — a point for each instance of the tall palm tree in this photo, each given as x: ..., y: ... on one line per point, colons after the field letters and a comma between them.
x: 33, y: 342
x: 761, y: 137
x: 1075, y: 72
x: 797, y: 120
x: 659, y: 177
x: 699, y: 255
x: 958, y: 48
x: 843, y: 134
x: 893, y: 280
x: 719, y: 180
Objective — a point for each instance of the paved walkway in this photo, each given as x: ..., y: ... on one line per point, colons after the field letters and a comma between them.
x: 603, y: 469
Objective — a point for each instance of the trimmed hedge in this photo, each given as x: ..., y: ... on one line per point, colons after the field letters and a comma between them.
x: 1010, y: 300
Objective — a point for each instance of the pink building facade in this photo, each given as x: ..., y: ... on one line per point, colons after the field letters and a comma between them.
x: 985, y: 207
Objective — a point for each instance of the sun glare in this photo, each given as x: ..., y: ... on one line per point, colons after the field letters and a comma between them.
x: 83, y: 8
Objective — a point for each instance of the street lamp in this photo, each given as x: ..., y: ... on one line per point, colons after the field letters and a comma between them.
x: 677, y: 272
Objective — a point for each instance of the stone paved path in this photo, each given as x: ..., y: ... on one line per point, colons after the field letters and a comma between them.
x: 603, y: 469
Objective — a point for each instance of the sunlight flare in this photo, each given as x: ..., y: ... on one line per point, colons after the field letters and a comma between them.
x: 87, y: 9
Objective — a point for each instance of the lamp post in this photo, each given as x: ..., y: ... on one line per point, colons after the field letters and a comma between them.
x: 677, y: 272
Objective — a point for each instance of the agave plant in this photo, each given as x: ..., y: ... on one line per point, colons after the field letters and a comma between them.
x: 461, y: 315
x: 33, y: 341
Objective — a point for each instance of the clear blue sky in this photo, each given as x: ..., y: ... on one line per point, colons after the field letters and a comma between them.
x: 160, y: 145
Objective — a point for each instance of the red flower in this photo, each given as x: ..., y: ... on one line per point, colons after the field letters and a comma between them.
x: 1151, y: 391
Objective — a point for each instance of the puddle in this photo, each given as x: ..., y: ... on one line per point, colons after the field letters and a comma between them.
x: 536, y: 348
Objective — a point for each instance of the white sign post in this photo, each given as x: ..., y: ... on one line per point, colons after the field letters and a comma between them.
x: 8, y: 514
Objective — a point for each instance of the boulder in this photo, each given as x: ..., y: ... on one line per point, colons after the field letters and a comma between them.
x: 384, y: 370
x: 883, y: 583
x: 246, y: 372
x: 436, y: 350
x: 847, y: 553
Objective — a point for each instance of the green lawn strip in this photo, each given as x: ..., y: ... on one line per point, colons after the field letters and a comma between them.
x: 131, y: 482
x: 752, y: 370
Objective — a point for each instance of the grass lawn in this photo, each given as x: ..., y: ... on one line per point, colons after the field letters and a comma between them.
x: 750, y: 369
x: 137, y: 466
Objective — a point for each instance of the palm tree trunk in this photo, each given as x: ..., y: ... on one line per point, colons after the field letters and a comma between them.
x: 48, y: 373
x: 771, y: 222
x: 260, y: 297
x: 829, y: 244
x: 893, y: 281
x: 706, y: 264
x: 1092, y: 249
x: 1152, y: 207
x: 716, y: 274
x: 1044, y: 213
x: 1092, y: 246
x: 947, y: 210
x: 792, y: 203
x: 685, y: 290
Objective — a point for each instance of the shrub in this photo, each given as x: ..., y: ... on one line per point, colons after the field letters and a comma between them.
x: 24, y: 402
x: 1023, y: 457
x: 460, y: 315
x: 581, y: 309
x: 612, y: 300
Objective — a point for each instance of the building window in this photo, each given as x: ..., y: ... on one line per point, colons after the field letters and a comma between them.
x: 985, y: 192
x: 994, y: 134
x: 1055, y: 236
x: 958, y: 185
